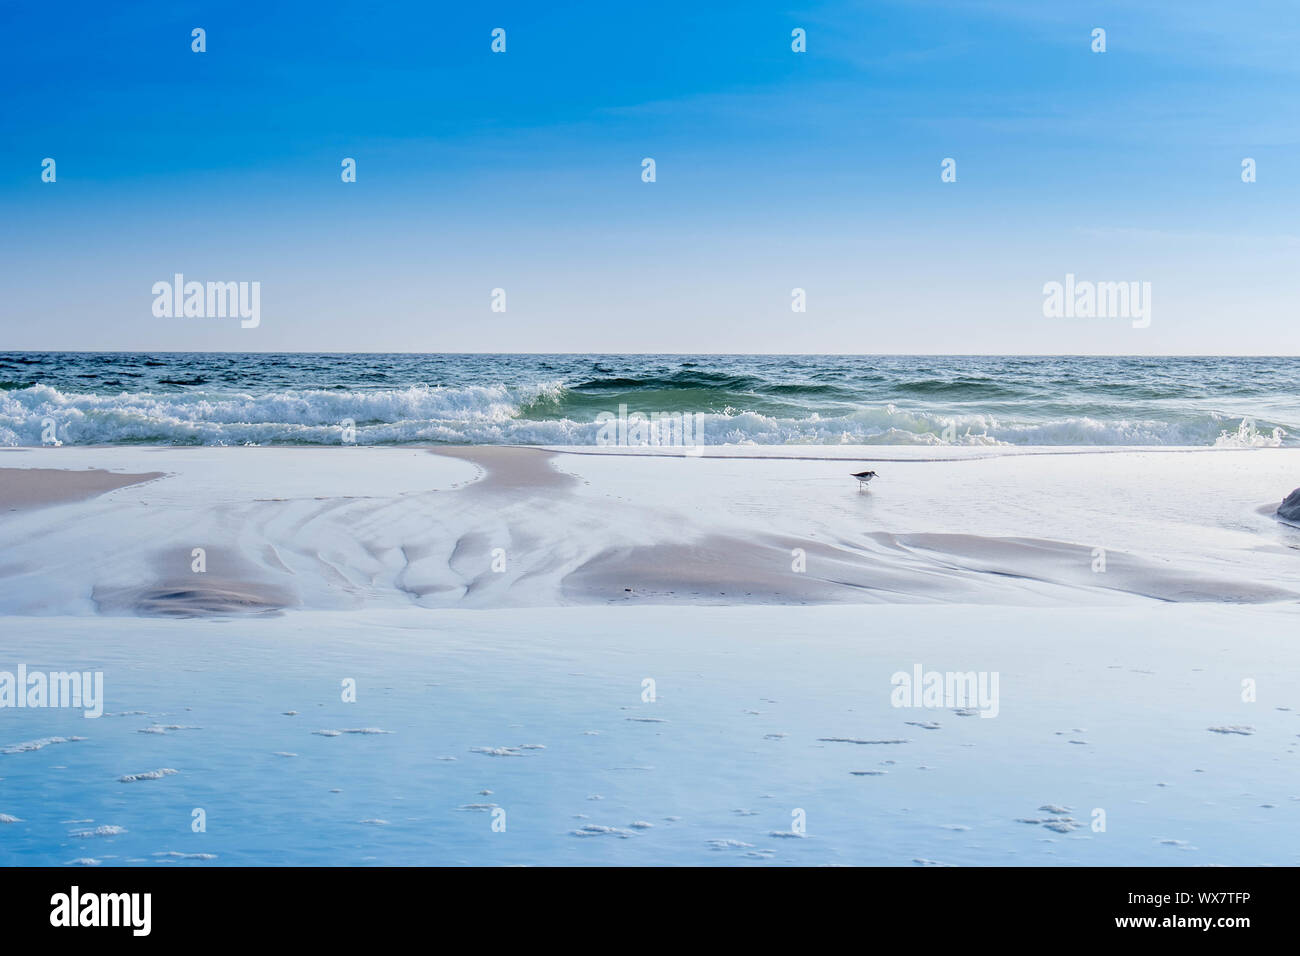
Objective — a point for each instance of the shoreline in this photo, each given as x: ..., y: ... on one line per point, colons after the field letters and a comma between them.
x: 490, y: 526
x: 800, y: 451
x: 501, y: 609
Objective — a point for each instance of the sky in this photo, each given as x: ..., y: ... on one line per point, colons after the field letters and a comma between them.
x: 775, y: 170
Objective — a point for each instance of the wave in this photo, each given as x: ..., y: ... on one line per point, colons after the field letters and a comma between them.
x: 1249, y: 435
x: 551, y: 413
x: 681, y: 379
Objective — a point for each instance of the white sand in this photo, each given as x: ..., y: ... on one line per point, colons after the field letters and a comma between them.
x: 23, y: 488
x: 336, y: 528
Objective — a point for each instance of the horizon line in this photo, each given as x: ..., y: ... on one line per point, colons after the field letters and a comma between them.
x: 1136, y: 355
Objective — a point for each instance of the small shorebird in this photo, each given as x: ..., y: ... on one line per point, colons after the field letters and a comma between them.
x: 864, y: 477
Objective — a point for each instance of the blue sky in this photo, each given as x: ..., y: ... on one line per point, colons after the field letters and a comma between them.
x: 775, y: 170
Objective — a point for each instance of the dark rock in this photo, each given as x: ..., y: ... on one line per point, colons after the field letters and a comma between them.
x: 1289, y: 510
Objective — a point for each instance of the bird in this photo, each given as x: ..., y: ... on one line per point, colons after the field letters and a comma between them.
x: 863, y: 477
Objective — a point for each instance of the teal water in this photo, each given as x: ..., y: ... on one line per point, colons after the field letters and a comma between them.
x: 232, y: 399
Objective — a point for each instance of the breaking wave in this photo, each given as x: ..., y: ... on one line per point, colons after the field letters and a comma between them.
x: 731, y: 410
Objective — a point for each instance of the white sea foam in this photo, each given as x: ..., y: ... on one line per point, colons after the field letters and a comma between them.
x: 147, y: 775
x: 538, y: 413
x: 365, y: 731
x: 1248, y: 435
x: 31, y: 745
x: 593, y: 829
x: 101, y: 831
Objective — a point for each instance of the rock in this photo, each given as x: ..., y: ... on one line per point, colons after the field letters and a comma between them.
x: 1289, y: 510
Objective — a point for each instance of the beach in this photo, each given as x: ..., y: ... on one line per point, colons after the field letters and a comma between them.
x: 490, y: 527
x: 839, y: 434
x: 620, y: 655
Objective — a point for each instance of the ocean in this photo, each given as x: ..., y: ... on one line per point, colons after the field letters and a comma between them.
x: 393, y: 399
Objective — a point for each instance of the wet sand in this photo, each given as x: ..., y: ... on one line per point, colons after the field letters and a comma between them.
x: 26, y: 488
